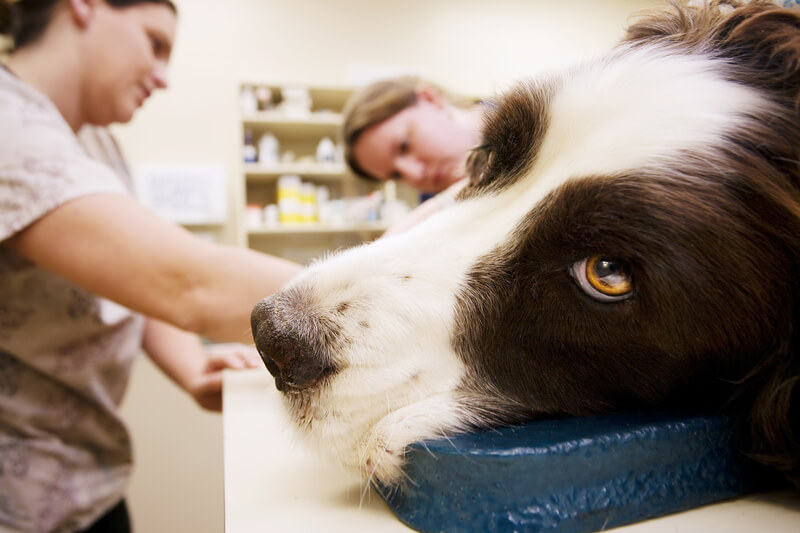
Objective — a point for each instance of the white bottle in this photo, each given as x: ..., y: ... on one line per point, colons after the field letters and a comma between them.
x: 247, y: 100
x: 326, y: 151
x: 268, y: 150
x: 308, y: 203
x: 322, y: 199
x: 250, y: 154
x: 289, y: 199
x: 263, y: 98
x: 271, y: 216
x: 253, y: 216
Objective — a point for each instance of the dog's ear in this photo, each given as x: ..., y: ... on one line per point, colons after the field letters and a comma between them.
x: 772, y: 429
x: 766, y: 40
x: 759, y: 37
x: 770, y: 395
x: 477, y: 161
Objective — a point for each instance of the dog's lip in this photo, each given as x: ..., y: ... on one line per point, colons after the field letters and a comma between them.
x: 283, y: 383
x: 273, y: 369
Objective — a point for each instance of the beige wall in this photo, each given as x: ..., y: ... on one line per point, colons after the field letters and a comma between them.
x: 471, y: 46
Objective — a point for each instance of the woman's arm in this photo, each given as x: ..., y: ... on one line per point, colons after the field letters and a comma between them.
x: 182, y: 357
x: 113, y: 247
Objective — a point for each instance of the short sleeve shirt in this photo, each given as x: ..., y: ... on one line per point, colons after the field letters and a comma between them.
x: 65, y: 354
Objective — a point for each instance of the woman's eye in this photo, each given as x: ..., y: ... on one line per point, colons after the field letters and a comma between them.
x: 603, y: 278
x: 156, y: 45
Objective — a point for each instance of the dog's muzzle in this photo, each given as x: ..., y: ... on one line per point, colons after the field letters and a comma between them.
x: 296, y: 362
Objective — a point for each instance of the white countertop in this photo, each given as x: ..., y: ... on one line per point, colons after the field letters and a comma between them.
x: 273, y: 484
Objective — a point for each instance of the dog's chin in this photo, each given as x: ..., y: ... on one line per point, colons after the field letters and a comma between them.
x: 304, y: 406
x: 364, y: 416
x: 336, y: 432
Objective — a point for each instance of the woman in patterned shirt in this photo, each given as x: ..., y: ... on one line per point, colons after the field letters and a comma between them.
x: 88, y: 277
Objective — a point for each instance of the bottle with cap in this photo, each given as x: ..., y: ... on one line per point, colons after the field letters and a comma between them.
x: 326, y: 151
x: 263, y: 98
x: 247, y: 100
x: 250, y: 153
x: 322, y: 199
x: 253, y: 216
x: 271, y: 216
x: 268, y: 149
x: 308, y: 203
x: 289, y: 199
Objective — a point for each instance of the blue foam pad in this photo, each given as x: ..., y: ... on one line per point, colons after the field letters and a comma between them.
x: 572, y: 475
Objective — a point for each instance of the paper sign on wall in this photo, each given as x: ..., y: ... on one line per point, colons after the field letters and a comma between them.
x: 186, y: 194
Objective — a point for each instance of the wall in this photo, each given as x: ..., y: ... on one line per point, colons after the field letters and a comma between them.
x: 470, y: 46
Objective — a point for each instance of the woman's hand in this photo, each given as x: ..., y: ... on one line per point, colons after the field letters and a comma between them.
x: 206, y: 388
x: 194, y: 367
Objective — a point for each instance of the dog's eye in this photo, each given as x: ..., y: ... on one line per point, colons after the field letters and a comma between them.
x: 604, y: 279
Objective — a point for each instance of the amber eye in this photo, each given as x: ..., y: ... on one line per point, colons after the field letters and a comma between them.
x: 603, y: 278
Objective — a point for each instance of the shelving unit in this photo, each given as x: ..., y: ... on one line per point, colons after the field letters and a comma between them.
x: 297, y: 229
x: 300, y: 133
x: 256, y: 172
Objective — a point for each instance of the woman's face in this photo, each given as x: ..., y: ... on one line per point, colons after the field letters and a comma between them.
x: 129, y: 49
x: 424, y: 145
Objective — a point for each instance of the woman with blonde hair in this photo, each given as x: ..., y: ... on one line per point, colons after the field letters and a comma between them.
x: 410, y: 130
x: 88, y: 277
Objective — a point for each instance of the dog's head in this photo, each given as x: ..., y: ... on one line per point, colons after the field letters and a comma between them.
x: 629, y: 240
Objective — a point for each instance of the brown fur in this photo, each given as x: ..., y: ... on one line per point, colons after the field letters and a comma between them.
x: 715, y: 321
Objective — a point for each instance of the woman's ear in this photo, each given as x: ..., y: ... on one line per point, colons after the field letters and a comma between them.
x: 82, y: 11
x: 430, y: 94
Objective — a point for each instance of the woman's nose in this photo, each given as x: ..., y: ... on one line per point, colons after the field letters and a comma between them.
x: 159, y: 75
x: 410, y: 168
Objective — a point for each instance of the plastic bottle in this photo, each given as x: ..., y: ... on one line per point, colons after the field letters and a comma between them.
x: 268, y: 149
x: 308, y: 203
x: 247, y: 100
x: 326, y: 151
x: 253, y: 216
x: 289, y: 199
x: 250, y: 153
x: 263, y: 98
x: 271, y: 216
x: 323, y: 196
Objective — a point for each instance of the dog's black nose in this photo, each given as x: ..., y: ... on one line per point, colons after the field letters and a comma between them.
x: 295, y: 362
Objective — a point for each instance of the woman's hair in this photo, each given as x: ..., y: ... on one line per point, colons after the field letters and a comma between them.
x: 370, y: 105
x: 25, y: 20
x: 377, y: 102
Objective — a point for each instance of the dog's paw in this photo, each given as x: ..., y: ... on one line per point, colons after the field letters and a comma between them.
x: 382, y: 458
x: 382, y: 453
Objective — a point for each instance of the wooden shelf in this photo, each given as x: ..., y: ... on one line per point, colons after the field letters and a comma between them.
x: 316, y: 125
x: 256, y: 171
x: 300, y: 134
x: 287, y: 229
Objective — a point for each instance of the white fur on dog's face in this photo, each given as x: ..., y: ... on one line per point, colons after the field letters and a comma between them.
x: 383, y: 316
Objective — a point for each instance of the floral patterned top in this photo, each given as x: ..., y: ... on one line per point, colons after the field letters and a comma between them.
x: 65, y: 354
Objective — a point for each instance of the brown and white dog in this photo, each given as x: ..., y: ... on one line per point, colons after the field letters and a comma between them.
x: 629, y: 241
